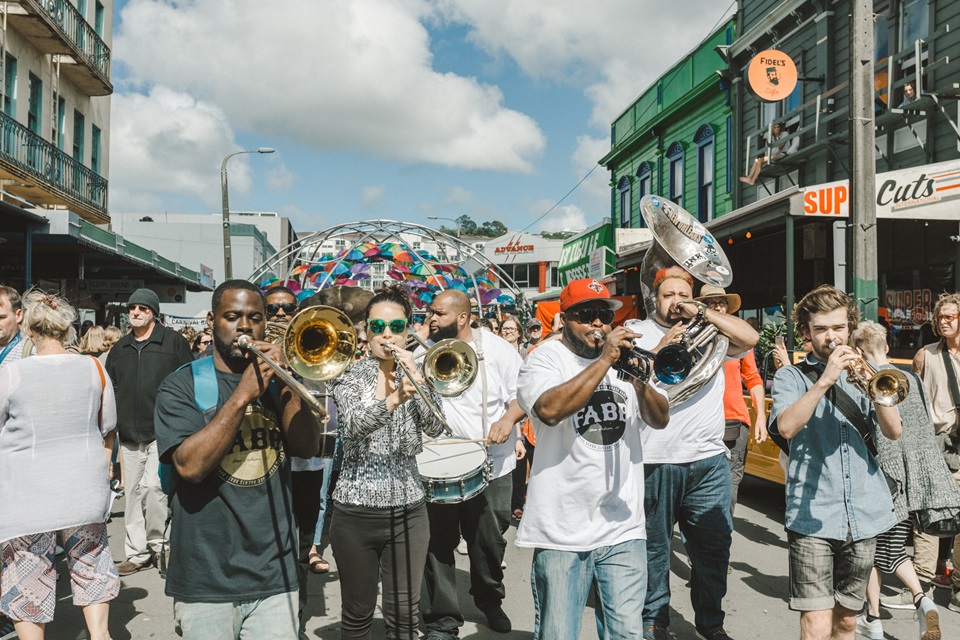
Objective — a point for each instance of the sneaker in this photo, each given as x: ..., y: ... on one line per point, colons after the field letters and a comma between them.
x: 498, y: 621
x: 872, y: 630
x: 929, y: 619
x: 716, y: 634
x: 655, y: 633
x: 462, y: 547
x: 903, y: 600
x: 954, y: 602
x: 438, y: 635
x: 127, y: 568
x: 943, y: 581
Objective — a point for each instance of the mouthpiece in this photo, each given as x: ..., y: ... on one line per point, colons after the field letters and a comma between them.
x: 244, y: 341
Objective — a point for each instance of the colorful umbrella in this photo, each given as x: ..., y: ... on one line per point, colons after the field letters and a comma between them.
x: 438, y: 281
x: 354, y: 255
x: 488, y: 296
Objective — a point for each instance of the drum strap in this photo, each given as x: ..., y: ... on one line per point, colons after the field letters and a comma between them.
x: 478, y: 340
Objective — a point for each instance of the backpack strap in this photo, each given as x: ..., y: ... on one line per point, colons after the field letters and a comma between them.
x: 103, y: 386
x: 206, y: 392
x: 847, y: 406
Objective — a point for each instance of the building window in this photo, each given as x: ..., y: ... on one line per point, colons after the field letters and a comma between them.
x: 623, y: 189
x: 98, y: 18
x: 60, y: 137
x: 95, y: 149
x: 10, y: 86
x: 35, y: 104
x: 79, y: 125
x: 914, y: 22
x: 644, y: 188
x: 704, y: 139
x: 675, y: 162
x: 81, y: 24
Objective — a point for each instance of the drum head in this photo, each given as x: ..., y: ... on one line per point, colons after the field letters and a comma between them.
x: 687, y: 241
x: 445, y: 459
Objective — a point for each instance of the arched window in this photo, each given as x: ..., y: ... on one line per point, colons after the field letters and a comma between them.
x: 704, y: 139
x: 675, y: 162
x: 623, y: 189
x: 644, y: 186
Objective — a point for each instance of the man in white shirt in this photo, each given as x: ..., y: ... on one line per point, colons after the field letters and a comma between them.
x: 584, y: 515
x: 479, y: 518
x: 686, y: 468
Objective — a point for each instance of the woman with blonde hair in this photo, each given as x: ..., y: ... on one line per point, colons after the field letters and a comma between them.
x: 54, y: 476
x: 93, y: 342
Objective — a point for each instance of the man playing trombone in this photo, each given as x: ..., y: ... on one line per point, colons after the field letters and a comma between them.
x: 837, y: 498
x: 227, y: 433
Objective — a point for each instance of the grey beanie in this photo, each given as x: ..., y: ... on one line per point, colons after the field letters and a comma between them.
x: 147, y: 298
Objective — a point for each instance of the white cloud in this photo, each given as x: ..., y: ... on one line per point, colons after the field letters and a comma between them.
x: 594, y: 193
x: 567, y: 217
x: 459, y: 195
x: 372, y: 195
x: 280, y: 178
x: 352, y: 76
x: 615, y: 48
x: 169, y: 143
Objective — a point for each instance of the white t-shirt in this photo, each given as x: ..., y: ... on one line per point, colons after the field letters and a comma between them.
x: 586, y: 485
x: 464, y: 413
x: 695, y: 430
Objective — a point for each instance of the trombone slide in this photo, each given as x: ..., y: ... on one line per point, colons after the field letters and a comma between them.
x: 245, y: 342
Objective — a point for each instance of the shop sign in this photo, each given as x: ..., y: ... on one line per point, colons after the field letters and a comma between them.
x: 921, y: 193
x: 908, y: 308
x: 771, y: 75
x: 514, y: 246
x: 576, y: 256
x: 206, y: 276
x: 109, y: 287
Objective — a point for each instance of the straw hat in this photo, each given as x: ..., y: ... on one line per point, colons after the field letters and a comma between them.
x: 710, y: 292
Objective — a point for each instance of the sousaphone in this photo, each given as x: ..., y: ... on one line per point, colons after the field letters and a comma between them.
x: 680, y: 239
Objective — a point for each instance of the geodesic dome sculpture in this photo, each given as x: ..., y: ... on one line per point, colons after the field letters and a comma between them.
x: 368, y: 253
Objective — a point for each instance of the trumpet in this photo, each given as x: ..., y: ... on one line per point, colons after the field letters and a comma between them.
x: 886, y: 387
x: 672, y: 364
x: 318, y: 344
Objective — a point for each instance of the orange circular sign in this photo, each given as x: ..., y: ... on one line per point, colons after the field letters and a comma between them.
x: 772, y: 75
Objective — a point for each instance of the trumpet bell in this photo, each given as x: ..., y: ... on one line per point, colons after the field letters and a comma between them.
x: 450, y: 367
x: 888, y: 387
x: 673, y: 364
x: 319, y: 343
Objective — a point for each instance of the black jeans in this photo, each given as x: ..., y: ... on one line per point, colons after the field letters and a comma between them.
x: 738, y: 459
x: 481, y: 520
x: 370, y: 545
x: 305, y: 490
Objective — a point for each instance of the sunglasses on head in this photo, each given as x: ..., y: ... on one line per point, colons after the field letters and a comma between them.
x: 378, y: 326
x: 288, y: 308
x: 588, y: 315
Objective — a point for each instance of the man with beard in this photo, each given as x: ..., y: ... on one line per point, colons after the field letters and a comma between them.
x: 686, y: 468
x: 137, y: 364
x: 233, y: 565
x: 584, y: 517
x: 483, y: 519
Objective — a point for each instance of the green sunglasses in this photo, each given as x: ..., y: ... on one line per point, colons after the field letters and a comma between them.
x: 378, y: 326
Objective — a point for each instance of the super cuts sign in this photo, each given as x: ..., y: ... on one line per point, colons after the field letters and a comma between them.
x: 921, y: 193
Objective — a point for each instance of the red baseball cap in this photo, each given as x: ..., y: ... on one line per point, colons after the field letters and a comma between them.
x: 586, y: 290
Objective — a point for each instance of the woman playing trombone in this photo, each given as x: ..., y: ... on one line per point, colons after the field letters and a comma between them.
x: 380, y: 526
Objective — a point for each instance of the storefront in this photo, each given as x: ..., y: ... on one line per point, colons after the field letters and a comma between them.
x: 530, y: 260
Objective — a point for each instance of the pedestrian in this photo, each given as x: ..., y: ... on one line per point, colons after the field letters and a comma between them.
x: 13, y: 343
x: 832, y: 523
x: 380, y: 530
x: 584, y: 517
x: 686, y: 468
x: 913, y: 461
x: 487, y: 410
x: 54, y: 476
x: 137, y: 364
x: 534, y: 332
x: 227, y: 426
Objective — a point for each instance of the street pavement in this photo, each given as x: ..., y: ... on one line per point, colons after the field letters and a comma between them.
x: 756, y: 601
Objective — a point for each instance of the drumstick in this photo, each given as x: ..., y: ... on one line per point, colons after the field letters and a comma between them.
x: 437, y: 443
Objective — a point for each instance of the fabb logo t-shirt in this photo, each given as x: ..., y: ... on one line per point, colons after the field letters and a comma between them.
x: 602, y: 422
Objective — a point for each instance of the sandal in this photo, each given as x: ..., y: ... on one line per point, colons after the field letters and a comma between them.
x: 517, y: 514
x: 317, y: 563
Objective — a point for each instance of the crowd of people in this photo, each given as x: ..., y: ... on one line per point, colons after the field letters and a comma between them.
x: 232, y: 476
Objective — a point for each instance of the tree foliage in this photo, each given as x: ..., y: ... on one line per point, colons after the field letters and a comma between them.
x: 489, y: 229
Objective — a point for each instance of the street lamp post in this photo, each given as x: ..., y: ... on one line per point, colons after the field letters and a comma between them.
x: 453, y: 220
x: 227, y: 249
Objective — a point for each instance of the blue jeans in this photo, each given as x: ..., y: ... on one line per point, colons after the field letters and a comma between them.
x: 561, y: 582
x: 697, y: 495
x: 272, y: 618
x: 326, y: 504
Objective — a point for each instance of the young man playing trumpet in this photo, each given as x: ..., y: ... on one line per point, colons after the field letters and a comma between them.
x: 837, y: 498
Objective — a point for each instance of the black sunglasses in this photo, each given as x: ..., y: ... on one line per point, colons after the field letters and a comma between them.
x: 588, y: 315
x: 378, y: 326
x: 288, y: 308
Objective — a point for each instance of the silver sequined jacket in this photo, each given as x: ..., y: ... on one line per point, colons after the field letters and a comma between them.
x: 379, y: 448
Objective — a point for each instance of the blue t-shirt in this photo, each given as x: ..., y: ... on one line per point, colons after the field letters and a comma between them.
x: 834, y: 484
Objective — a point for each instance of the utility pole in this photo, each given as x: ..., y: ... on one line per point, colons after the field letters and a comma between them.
x: 863, y: 166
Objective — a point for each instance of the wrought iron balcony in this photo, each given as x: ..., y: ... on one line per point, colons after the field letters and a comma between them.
x: 35, y: 170
x: 56, y: 27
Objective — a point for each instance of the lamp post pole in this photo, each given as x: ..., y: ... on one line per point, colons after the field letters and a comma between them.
x: 453, y: 220
x: 227, y: 248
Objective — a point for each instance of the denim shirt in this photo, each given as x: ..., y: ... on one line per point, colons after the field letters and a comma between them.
x: 834, y: 485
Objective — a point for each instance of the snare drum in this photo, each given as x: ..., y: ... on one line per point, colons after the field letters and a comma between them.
x: 453, y: 471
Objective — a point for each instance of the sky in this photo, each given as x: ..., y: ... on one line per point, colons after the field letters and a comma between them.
x: 394, y: 109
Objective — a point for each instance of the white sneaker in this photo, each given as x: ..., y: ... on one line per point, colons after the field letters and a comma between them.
x: 929, y: 618
x: 903, y: 600
x: 462, y: 547
x: 872, y: 630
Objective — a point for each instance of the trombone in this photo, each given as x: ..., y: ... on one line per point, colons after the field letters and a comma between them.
x: 886, y: 387
x: 318, y: 344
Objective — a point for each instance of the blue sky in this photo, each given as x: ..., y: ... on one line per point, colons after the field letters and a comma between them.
x: 395, y: 109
